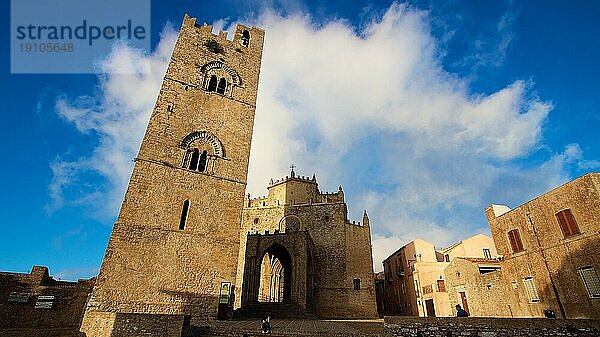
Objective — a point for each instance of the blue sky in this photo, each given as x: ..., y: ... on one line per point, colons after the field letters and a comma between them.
x: 425, y: 112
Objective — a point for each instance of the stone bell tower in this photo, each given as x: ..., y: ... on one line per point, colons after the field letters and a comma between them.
x: 176, y: 239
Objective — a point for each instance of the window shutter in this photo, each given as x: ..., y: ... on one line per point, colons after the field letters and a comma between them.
x: 530, y: 289
x: 564, y: 226
x: 591, y: 281
x: 513, y: 244
x: 574, y: 229
x: 515, y: 241
x: 567, y: 223
x: 441, y: 285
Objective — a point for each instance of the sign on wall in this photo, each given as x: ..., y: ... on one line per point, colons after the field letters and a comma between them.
x: 225, y: 290
x: 21, y: 298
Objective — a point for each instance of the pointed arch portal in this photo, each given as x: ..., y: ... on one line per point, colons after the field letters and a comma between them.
x: 275, y: 275
x: 278, y: 269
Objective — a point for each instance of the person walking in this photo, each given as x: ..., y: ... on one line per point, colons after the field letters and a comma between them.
x: 266, y: 324
x: 460, y: 312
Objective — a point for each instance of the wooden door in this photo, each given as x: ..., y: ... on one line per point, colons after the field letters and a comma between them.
x: 430, y: 308
x: 463, y: 298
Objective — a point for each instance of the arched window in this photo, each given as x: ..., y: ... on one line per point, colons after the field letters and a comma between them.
x: 184, y: 214
x: 245, y: 38
x: 202, y: 161
x: 212, y: 84
x: 194, y: 160
x: 222, y: 86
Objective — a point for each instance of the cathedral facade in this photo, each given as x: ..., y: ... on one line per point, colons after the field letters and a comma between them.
x: 297, y: 246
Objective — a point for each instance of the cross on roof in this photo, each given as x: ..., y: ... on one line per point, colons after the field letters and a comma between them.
x: 292, y: 167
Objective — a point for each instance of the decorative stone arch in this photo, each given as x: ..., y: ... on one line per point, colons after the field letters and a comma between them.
x: 216, y: 72
x: 290, y: 222
x: 207, y: 137
x: 201, y: 149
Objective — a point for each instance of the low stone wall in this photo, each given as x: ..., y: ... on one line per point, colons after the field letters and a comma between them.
x: 489, y: 327
x: 35, y: 304
x: 106, y: 324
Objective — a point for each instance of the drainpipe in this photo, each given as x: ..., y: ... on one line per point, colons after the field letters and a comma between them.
x: 560, y: 306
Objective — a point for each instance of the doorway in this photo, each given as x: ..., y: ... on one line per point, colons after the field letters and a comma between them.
x: 275, y: 275
x: 463, y: 299
x: 430, y: 308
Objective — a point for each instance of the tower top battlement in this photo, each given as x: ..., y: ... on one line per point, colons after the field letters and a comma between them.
x: 222, y: 35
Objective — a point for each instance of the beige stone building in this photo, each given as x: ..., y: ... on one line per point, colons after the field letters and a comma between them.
x: 174, y: 246
x: 415, y: 283
x: 550, y: 247
x: 297, y: 246
x: 477, y: 285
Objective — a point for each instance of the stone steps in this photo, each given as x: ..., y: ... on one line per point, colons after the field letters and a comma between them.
x: 274, y: 310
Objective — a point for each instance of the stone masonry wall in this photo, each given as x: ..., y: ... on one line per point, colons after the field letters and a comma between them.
x: 489, y: 327
x: 37, y: 301
x: 485, y: 293
x: 548, y: 256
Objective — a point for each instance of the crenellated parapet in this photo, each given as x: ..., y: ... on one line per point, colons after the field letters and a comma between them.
x: 239, y: 38
x: 295, y: 190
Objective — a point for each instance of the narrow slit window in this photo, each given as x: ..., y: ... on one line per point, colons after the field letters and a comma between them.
x: 567, y: 223
x: 245, y: 38
x: 202, y: 161
x: 356, y: 284
x: 184, y: 214
x: 487, y: 253
x: 194, y: 159
x: 222, y: 86
x: 212, y: 83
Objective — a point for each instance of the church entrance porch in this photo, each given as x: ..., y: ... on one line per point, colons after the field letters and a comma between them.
x: 277, y: 274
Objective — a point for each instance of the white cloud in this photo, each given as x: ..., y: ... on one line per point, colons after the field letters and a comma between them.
x: 117, y: 114
x: 374, y: 110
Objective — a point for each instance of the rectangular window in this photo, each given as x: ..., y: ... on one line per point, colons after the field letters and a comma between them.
x: 530, y: 289
x: 567, y: 223
x: 591, y: 281
x: 441, y: 286
x: 515, y: 241
x: 487, y: 253
x: 356, y: 284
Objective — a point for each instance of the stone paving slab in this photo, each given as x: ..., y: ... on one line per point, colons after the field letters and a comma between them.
x: 293, y: 327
